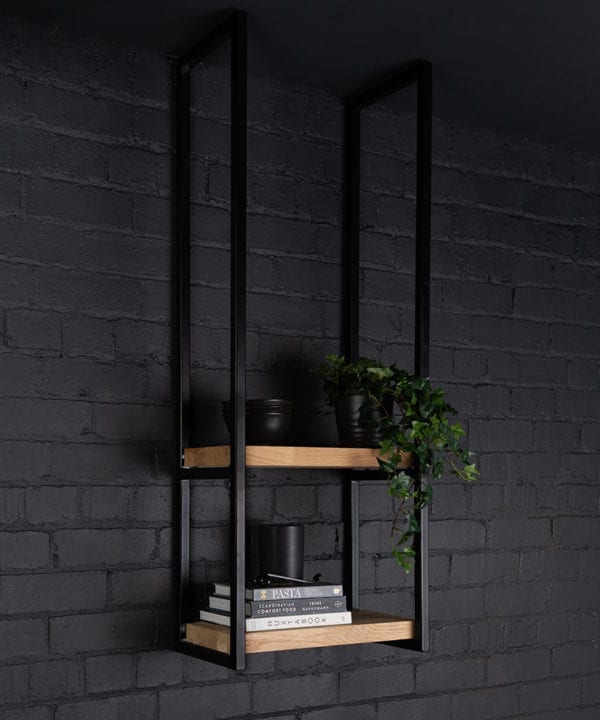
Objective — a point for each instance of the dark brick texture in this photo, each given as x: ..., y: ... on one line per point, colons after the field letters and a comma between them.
x: 87, y: 412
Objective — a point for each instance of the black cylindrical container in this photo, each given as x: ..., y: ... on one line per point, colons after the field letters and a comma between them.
x: 281, y: 550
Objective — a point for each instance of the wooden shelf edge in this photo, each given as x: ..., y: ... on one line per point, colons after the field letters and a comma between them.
x: 218, y: 456
x: 366, y: 627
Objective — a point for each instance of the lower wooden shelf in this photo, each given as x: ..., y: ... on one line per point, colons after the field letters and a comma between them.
x: 217, y: 456
x: 366, y: 627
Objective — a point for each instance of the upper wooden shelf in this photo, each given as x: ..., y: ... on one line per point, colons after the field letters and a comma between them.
x: 218, y: 456
x: 366, y: 627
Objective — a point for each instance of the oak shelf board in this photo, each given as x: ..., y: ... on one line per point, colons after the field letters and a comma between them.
x: 218, y: 456
x: 366, y: 627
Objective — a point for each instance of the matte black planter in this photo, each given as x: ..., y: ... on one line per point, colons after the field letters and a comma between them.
x: 279, y: 549
x: 358, y: 426
x: 267, y: 421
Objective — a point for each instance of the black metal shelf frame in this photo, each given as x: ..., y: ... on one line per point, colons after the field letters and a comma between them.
x: 233, y: 29
x: 417, y: 72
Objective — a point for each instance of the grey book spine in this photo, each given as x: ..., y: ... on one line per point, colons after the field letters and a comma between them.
x: 296, y: 606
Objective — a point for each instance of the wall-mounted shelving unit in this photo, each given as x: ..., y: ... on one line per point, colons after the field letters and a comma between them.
x: 229, y: 645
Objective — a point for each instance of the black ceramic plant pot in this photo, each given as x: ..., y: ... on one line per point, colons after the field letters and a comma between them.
x: 358, y: 426
x: 267, y: 421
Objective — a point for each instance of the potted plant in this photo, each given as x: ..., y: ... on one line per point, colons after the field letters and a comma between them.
x: 357, y: 395
x: 413, y: 417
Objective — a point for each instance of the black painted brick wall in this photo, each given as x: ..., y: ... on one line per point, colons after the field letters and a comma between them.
x: 87, y: 419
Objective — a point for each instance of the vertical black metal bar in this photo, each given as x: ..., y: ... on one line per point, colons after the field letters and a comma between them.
x: 350, y: 335
x: 183, y: 144
x: 422, y: 313
x: 184, y: 556
x: 351, y: 249
x: 423, y: 220
x: 422, y: 581
x: 238, y: 335
x: 351, y: 542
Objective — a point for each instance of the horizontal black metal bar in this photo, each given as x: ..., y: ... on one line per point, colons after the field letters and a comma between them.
x: 210, y: 42
x: 225, y: 660
x: 392, y: 82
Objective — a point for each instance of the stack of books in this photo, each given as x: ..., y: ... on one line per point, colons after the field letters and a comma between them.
x: 282, y: 605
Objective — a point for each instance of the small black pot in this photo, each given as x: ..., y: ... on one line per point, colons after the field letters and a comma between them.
x: 267, y: 421
x: 359, y: 427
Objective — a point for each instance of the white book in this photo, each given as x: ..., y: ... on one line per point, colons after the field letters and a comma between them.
x: 290, y: 622
x: 215, y: 616
x: 216, y: 602
x: 286, y: 622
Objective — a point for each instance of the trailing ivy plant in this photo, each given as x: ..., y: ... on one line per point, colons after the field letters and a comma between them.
x: 359, y: 378
x: 416, y: 421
